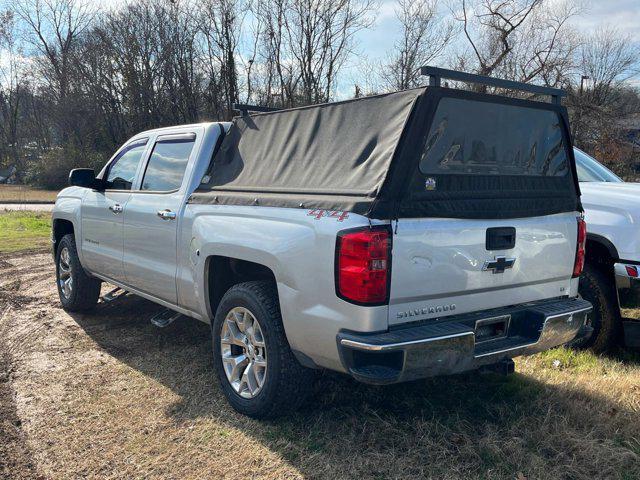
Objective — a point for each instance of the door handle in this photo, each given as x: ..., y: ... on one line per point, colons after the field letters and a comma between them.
x: 116, y: 208
x: 167, y: 214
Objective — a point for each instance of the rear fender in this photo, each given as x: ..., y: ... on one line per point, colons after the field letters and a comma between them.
x: 299, y: 249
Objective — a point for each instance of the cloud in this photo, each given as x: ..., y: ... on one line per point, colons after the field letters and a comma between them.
x: 624, y: 15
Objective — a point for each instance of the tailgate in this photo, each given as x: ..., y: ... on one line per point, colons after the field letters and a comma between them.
x: 449, y: 266
x: 488, y: 214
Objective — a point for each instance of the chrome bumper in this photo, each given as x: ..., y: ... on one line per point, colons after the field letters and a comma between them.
x: 627, y: 283
x: 449, y: 346
x: 628, y: 289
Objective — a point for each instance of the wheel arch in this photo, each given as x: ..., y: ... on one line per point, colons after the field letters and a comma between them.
x: 601, y: 253
x: 602, y: 244
x: 59, y: 228
x: 62, y: 227
x: 223, y: 272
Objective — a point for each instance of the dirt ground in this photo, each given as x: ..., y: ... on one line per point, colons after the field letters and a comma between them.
x: 106, y: 395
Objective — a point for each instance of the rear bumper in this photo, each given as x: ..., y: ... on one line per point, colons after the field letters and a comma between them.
x: 449, y: 345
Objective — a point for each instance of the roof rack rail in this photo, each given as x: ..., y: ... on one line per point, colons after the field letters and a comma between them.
x: 244, y: 108
x: 436, y: 75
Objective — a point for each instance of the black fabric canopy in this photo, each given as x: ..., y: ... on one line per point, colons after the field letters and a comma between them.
x: 368, y: 156
x: 331, y: 156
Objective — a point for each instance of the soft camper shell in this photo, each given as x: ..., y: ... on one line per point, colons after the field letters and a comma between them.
x: 364, y: 156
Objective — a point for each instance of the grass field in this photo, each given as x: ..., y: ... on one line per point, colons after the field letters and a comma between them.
x: 22, y: 193
x: 24, y: 230
x: 104, y: 394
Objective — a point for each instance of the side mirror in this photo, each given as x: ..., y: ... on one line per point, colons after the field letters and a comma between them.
x: 83, y: 177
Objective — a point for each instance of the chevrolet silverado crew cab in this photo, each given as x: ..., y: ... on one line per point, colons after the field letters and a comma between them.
x: 611, y: 278
x: 394, y: 237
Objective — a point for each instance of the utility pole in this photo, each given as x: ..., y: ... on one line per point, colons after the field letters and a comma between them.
x: 580, y: 106
x: 584, y: 77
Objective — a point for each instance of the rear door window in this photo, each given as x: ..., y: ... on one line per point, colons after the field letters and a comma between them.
x: 481, y: 138
x: 167, y: 164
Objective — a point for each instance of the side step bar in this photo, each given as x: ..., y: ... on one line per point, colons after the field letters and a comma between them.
x: 165, y: 318
x: 113, y: 295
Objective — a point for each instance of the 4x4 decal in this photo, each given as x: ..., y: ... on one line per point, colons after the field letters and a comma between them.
x: 328, y: 213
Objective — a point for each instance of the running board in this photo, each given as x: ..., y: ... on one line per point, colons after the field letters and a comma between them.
x: 164, y: 318
x: 113, y: 295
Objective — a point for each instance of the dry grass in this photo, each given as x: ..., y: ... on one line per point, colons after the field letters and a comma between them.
x: 23, y: 193
x: 106, y: 395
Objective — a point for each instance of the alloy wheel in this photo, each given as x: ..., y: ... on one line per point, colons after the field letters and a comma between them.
x: 65, y: 275
x: 244, y: 353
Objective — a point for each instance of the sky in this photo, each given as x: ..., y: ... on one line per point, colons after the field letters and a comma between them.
x: 624, y: 14
x: 376, y: 43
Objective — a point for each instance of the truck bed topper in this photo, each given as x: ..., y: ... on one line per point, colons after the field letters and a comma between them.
x: 424, y: 152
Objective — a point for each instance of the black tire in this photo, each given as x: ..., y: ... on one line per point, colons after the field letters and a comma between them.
x: 287, y: 384
x: 596, y: 287
x: 85, y: 290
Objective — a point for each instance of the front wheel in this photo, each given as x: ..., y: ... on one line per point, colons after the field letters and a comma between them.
x: 77, y: 290
x: 256, y: 368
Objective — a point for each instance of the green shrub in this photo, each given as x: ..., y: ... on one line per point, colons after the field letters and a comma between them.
x: 51, y: 170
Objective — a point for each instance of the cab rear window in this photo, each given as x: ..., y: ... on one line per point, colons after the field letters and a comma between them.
x: 475, y: 137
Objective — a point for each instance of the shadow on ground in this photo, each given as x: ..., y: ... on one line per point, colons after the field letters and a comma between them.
x: 473, y: 426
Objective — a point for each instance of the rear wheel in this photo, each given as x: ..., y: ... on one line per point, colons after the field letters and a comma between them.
x: 77, y: 290
x: 605, y: 318
x: 257, y: 370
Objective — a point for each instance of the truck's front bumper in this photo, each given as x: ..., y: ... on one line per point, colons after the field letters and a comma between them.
x: 627, y: 276
x: 627, y: 283
x: 459, y: 343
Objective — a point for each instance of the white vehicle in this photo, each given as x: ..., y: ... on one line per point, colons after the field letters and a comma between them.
x: 612, y: 273
x: 424, y: 232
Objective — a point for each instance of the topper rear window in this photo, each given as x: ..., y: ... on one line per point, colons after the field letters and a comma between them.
x: 476, y: 137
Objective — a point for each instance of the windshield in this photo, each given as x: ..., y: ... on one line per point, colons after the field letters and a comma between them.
x: 589, y: 170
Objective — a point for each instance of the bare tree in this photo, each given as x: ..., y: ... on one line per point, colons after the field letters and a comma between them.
x: 54, y: 28
x: 11, y: 86
x: 221, y: 26
x: 608, y: 59
x: 424, y: 38
x: 129, y: 37
x: 306, y: 42
x: 523, y: 40
x: 598, y: 98
x: 179, y: 53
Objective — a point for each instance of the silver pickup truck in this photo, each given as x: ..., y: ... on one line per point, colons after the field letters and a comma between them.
x: 395, y: 237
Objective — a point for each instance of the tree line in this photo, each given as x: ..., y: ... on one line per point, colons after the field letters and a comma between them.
x: 76, y: 81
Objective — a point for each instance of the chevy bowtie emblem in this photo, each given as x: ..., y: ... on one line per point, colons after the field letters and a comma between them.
x: 499, y: 265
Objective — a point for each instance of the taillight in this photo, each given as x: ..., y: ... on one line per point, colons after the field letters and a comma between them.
x: 363, y: 259
x: 578, y: 265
